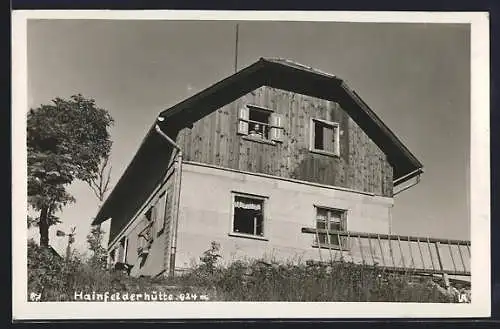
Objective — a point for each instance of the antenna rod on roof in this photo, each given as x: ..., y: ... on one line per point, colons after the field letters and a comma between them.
x: 236, y: 49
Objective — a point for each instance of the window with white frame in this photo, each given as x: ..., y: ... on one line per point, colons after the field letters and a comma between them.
x: 324, y: 137
x: 331, y: 220
x: 260, y: 123
x: 248, y: 215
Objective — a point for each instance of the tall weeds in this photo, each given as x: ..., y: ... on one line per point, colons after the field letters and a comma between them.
x: 252, y: 280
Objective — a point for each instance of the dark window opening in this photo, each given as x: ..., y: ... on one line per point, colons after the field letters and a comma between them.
x: 318, y: 136
x: 325, y: 137
x: 248, y: 216
x: 259, y: 123
x: 149, y: 214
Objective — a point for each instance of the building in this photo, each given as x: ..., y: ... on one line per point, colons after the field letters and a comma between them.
x: 250, y: 161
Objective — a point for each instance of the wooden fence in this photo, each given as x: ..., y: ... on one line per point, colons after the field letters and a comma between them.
x: 419, y: 255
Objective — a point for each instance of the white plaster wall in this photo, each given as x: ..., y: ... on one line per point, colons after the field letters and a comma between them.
x: 205, y: 215
x: 152, y: 264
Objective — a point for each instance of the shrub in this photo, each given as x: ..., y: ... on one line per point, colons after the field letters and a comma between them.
x: 251, y: 280
x: 258, y: 280
x: 44, y: 272
x: 209, y: 258
x: 56, y: 279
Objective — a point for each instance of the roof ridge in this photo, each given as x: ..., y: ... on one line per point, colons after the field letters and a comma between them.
x: 289, y: 62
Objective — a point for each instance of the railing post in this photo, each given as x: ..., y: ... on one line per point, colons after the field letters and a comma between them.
x: 319, y: 245
x: 401, y: 251
x: 445, y: 276
x: 381, y: 250
x: 461, y: 257
x: 371, y: 251
x: 340, y: 245
x: 329, y: 241
x: 390, y: 250
x: 361, y: 250
x: 451, y: 254
x: 411, y: 254
x: 421, y: 254
x: 430, y: 253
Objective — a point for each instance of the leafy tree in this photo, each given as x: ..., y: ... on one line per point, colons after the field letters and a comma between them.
x: 66, y: 140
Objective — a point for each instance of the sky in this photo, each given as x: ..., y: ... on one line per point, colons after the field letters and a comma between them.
x: 416, y: 77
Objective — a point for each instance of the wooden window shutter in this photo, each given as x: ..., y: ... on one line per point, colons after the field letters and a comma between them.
x: 243, y: 116
x: 277, y: 127
x: 121, y: 253
x: 160, y: 212
x: 125, y: 250
x: 154, y: 219
x: 329, y: 138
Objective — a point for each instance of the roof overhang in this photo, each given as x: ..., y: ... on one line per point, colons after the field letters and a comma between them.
x: 154, y: 153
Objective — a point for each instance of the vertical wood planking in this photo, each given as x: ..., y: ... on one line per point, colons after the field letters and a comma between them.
x: 217, y: 136
x: 361, y: 165
x: 187, y: 143
x: 234, y: 138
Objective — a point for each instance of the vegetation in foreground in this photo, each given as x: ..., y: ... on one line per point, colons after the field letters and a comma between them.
x: 54, y: 279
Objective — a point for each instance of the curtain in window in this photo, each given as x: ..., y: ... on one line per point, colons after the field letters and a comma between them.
x: 248, y: 204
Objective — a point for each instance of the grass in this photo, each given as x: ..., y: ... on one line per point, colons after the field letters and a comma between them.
x: 252, y: 280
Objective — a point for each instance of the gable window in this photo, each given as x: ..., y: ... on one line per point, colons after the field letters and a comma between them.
x: 248, y: 215
x: 259, y: 123
x: 324, y: 137
x: 332, y: 220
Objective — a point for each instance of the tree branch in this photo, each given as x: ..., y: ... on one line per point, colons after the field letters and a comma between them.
x: 99, y: 184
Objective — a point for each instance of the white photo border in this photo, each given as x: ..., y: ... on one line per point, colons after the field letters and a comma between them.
x: 479, y: 180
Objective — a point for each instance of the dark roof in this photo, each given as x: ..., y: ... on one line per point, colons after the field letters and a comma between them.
x: 148, y: 165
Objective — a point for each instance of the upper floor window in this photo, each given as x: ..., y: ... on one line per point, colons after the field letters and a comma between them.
x: 324, y: 137
x: 260, y: 123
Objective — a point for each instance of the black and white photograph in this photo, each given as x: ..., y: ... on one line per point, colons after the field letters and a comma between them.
x: 250, y: 165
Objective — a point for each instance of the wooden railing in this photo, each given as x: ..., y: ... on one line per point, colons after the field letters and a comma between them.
x: 396, y: 252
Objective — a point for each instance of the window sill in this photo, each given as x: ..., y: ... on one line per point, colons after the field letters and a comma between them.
x: 331, y: 154
x: 259, y: 140
x: 248, y: 236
